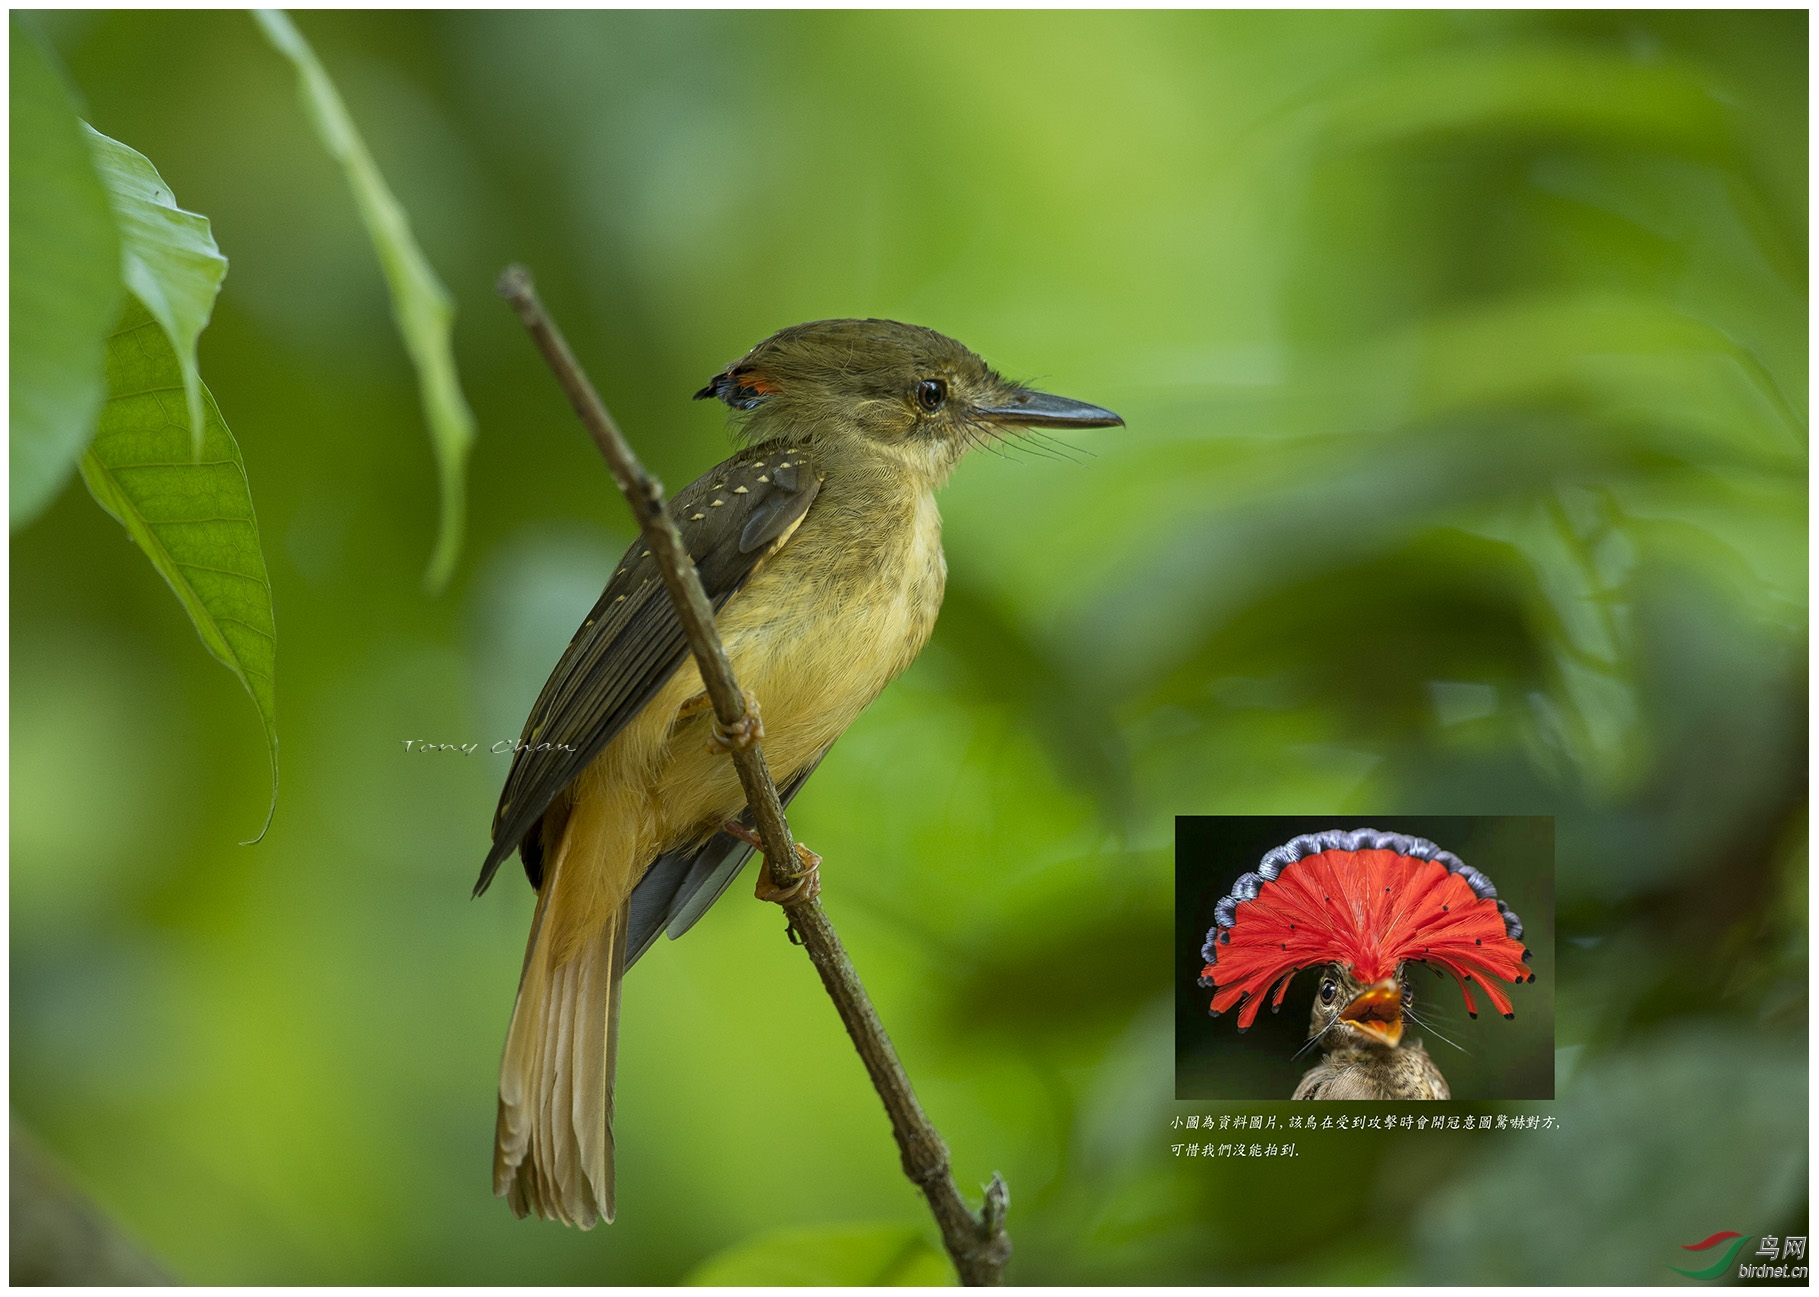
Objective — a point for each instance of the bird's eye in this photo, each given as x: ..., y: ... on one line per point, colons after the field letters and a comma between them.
x: 1328, y: 989
x: 930, y: 393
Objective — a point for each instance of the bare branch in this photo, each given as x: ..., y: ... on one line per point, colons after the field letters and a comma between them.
x: 977, y: 1243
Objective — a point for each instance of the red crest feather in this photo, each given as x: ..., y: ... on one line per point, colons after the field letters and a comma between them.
x: 1370, y: 901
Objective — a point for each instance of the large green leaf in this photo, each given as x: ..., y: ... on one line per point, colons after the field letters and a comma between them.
x: 65, y: 283
x: 168, y: 258
x: 422, y: 307
x: 192, y: 516
x: 872, y: 1256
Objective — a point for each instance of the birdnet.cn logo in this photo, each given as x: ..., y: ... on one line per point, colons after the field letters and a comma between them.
x: 1769, y: 1261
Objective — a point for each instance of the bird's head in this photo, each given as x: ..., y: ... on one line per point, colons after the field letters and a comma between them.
x: 1351, y: 1012
x: 916, y: 395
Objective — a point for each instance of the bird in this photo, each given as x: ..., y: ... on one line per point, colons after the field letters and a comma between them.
x: 1367, y: 1054
x: 1365, y: 906
x: 819, y: 547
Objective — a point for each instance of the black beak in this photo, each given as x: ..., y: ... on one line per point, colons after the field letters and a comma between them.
x: 1040, y: 410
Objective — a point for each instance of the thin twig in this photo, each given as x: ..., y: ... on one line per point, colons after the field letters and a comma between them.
x: 977, y: 1243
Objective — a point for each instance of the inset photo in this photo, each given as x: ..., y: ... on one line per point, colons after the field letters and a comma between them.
x: 1364, y: 957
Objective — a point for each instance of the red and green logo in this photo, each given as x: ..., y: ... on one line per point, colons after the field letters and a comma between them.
x: 1723, y: 1264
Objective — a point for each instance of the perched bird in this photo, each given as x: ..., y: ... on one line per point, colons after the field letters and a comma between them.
x: 820, y: 548
x: 1366, y: 905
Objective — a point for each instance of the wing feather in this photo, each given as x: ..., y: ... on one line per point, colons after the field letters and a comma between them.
x: 683, y: 884
x: 731, y: 519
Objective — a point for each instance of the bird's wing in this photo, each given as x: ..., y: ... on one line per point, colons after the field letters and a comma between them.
x: 731, y: 519
x: 683, y: 884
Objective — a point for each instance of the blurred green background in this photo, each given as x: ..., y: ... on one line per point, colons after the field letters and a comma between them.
x: 1464, y: 362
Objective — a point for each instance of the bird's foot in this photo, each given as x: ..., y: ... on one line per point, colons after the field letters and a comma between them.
x: 749, y: 729
x: 805, y: 888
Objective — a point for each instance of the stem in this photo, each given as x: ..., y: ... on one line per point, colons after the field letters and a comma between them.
x: 977, y: 1243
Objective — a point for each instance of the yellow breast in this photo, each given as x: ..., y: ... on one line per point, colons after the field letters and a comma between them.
x: 815, y: 635
x: 824, y: 624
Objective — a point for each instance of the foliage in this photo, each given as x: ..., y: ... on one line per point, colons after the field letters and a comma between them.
x: 1464, y: 362
x: 192, y: 517
x: 420, y: 304
x: 168, y: 260
x: 65, y: 286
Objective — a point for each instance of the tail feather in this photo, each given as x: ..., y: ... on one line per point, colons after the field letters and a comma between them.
x: 549, y: 1078
x: 554, y: 1153
x: 563, y: 1094
x: 515, y: 1082
x: 600, y: 1081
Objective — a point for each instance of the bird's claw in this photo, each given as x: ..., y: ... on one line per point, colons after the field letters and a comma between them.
x: 806, y: 888
x: 744, y: 732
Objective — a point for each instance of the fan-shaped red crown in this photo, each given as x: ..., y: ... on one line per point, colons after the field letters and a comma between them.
x: 1371, y: 901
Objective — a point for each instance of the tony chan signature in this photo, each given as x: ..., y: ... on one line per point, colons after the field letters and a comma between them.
x: 468, y: 749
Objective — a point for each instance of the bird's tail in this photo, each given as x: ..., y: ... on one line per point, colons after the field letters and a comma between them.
x: 554, y: 1154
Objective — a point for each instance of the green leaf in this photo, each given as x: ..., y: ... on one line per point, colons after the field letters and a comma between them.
x: 192, y: 517
x: 65, y: 283
x: 422, y: 307
x: 889, y: 1256
x: 168, y: 258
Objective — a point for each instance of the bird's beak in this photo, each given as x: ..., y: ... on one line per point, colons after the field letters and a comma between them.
x: 1378, y: 1010
x: 1040, y: 410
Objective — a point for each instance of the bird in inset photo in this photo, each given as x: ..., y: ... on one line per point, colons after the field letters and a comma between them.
x: 1365, y: 906
x: 819, y: 547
